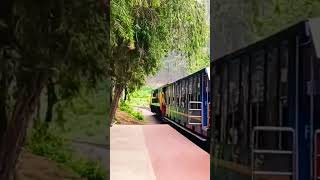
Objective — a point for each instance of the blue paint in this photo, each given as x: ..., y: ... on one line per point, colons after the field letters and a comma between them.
x: 304, y: 146
x: 204, y: 100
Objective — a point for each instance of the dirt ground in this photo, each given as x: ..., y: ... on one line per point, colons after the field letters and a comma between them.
x: 125, y: 119
x: 32, y: 167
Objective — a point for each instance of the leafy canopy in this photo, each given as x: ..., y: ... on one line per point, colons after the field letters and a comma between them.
x: 143, y: 32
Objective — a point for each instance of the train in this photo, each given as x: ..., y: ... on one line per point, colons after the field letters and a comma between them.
x: 266, y: 108
x: 186, y: 103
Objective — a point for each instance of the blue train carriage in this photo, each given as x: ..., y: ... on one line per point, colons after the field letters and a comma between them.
x: 266, y: 108
x: 186, y: 103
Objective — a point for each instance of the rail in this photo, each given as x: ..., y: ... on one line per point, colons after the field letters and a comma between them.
x: 255, y: 151
x: 190, y: 113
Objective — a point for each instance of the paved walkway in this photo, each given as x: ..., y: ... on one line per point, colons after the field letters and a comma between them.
x: 155, y: 152
x: 148, y: 115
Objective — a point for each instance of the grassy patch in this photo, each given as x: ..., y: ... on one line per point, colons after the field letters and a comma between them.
x: 44, y: 143
x: 84, y: 117
x: 127, y: 108
x: 140, y: 97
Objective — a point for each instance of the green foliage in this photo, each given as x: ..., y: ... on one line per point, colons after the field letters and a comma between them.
x: 140, y: 97
x: 280, y: 14
x: 44, y: 143
x: 143, y: 32
x: 127, y: 108
x: 88, y: 169
x: 48, y: 145
x: 64, y: 41
x: 84, y: 116
x: 202, y: 61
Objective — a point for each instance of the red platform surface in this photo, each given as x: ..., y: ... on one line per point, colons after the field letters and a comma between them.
x: 170, y: 155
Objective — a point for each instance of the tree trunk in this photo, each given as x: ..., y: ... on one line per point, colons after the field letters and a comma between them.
x: 115, y: 101
x: 3, y: 100
x: 14, y: 135
x: 125, y: 94
x: 36, y: 120
x: 52, y: 99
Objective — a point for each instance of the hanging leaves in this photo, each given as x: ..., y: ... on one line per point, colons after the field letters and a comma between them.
x: 144, y: 31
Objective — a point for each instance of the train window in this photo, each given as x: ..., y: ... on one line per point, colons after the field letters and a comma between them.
x: 172, y: 95
x: 271, y: 93
x: 169, y: 95
x: 283, y: 86
x: 269, y: 139
x: 180, y: 91
x: 155, y: 97
x: 165, y: 94
x: 190, y: 86
x: 244, y: 100
x: 199, y: 89
x: 257, y: 88
x: 216, y: 120
x: 233, y: 102
x: 184, y: 94
x: 224, y: 103
x: 180, y: 94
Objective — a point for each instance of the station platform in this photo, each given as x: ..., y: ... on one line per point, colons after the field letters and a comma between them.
x: 155, y: 152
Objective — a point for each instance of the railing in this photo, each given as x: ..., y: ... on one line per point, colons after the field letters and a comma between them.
x: 255, y: 151
x: 191, y: 115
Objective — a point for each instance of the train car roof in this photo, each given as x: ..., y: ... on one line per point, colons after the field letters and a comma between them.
x: 207, y: 70
x: 314, y: 25
x: 309, y: 27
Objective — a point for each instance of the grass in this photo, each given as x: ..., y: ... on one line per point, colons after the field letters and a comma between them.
x: 140, y: 97
x: 53, y: 147
x: 127, y: 108
x: 84, y: 117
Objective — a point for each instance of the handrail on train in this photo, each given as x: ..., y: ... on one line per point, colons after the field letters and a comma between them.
x: 272, y: 151
x: 190, y: 116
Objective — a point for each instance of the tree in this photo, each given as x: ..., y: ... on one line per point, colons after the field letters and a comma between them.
x: 271, y: 17
x: 144, y: 31
x: 255, y: 20
x: 42, y: 41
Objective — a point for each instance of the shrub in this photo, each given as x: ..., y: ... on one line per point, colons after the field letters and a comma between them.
x: 126, y: 108
x: 43, y: 143
x: 88, y: 169
x: 140, y: 97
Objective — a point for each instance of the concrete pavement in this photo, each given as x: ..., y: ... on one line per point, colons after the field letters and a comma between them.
x: 155, y: 152
x: 129, y: 157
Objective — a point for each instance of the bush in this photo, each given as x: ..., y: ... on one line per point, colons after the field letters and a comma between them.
x: 126, y: 108
x: 43, y: 143
x: 48, y: 145
x: 140, y: 97
x: 88, y: 169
